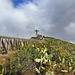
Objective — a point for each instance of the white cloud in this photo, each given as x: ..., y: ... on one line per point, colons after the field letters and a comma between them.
x: 70, y: 30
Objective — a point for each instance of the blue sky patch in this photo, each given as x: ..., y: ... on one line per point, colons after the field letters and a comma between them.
x: 17, y: 2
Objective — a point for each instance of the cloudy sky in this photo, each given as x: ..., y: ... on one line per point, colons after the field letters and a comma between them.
x: 54, y: 18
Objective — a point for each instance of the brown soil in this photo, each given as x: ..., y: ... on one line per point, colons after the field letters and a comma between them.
x: 28, y: 72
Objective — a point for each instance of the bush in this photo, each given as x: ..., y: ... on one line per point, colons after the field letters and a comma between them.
x: 23, y: 59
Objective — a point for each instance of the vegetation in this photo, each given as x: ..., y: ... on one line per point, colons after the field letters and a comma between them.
x: 57, y: 56
x: 50, y: 57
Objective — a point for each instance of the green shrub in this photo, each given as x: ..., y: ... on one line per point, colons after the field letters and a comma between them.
x: 21, y: 59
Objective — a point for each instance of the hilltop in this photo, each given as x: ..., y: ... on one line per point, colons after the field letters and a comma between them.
x: 57, y: 44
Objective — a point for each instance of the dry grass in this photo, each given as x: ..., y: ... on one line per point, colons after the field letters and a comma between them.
x: 4, y: 59
x: 28, y: 72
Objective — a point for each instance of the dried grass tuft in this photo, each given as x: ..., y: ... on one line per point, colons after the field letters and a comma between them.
x: 4, y: 59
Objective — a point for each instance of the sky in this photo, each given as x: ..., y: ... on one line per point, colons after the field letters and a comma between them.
x: 54, y: 18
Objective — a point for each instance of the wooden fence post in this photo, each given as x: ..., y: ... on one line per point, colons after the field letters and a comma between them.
x: 0, y: 43
x: 14, y: 44
x: 8, y: 44
x: 3, y: 44
x: 11, y: 44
